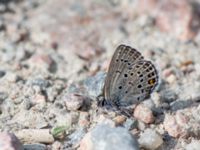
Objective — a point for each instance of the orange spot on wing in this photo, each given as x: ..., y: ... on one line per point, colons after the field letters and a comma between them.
x: 151, y: 81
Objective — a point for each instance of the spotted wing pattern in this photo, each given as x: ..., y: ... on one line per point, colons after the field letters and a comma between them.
x: 130, y: 78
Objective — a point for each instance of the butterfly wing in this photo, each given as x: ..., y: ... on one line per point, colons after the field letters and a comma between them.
x: 135, y: 83
x: 123, y: 58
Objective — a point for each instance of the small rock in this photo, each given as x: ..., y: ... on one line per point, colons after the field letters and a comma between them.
x: 172, y: 127
x: 56, y: 145
x: 102, y: 119
x: 149, y: 103
x: 39, y: 99
x: 179, y: 104
x: 31, y: 119
x: 35, y: 146
x: 83, y: 119
x: 105, y: 137
x: 41, y: 61
x: 77, y: 135
x: 8, y: 141
x: 35, y: 136
x: 168, y: 96
x: 74, y: 101
x: 194, y: 145
x: 155, y: 97
x: 3, y: 96
x: 119, y: 120
x: 11, y: 77
x: 171, y: 79
x: 167, y: 72
x: 26, y: 104
x: 2, y: 73
x: 94, y: 85
x: 42, y: 83
x: 150, y: 139
x: 130, y: 124
x: 141, y: 125
x: 144, y: 114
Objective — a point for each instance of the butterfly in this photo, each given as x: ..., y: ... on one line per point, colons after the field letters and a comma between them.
x: 130, y: 78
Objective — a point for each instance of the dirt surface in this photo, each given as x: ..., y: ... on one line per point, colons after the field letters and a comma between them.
x: 53, y: 59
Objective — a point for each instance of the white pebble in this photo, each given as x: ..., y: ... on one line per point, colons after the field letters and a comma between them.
x: 150, y: 139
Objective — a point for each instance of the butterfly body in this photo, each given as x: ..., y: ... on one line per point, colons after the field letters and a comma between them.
x: 130, y: 78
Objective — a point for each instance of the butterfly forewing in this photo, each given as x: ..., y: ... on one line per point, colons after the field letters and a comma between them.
x: 123, y: 59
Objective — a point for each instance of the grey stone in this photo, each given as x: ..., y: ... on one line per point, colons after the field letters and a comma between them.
x: 3, y: 96
x: 104, y: 137
x: 77, y: 135
x: 150, y: 139
x: 94, y: 85
x: 73, y: 101
x: 35, y: 147
x: 2, y: 73
x: 42, y: 83
x: 130, y: 124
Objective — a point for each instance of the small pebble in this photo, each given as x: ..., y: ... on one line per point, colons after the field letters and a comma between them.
x: 168, y: 95
x: 11, y: 77
x: 119, y: 120
x: 83, y: 119
x: 73, y: 101
x: 144, y: 114
x: 155, y: 97
x: 94, y: 85
x: 3, y: 96
x: 150, y: 139
x: 8, y: 141
x: 56, y: 145
x: 2, y: 73
x: 130, y: 124
x: 194, y: 145
x: 141, y: 125
x: 171, y: 79
x: 102, y: 119
x: 39, y: 99
x: 172, y: 127
x: 77, y: 135
x: 42, y: 83
x: 35, y: 136
x: 35, y: 146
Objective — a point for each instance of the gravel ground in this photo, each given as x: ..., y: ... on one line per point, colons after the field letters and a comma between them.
x: 53, y: 62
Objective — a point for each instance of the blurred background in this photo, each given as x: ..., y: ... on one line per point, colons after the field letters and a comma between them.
x: 74, y: 38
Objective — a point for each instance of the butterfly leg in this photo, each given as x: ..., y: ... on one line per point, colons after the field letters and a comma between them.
x: 126, y: 112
